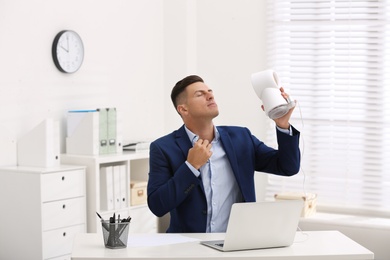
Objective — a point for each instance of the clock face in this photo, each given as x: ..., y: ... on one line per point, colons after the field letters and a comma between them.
x: 68, y: 51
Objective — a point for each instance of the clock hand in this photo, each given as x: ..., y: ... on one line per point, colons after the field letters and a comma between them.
x: 67, y: 41
x: 64, y: 48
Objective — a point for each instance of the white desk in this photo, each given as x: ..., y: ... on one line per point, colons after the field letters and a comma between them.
x: 309, y: 245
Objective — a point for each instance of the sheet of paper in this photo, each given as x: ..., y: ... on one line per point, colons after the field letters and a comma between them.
x: 141, y: 240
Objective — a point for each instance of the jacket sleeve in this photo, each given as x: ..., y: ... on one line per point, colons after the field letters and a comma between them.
x: 284, y: 161
x: 170, y: 180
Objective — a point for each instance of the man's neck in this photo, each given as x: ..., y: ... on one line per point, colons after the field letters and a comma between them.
x: 204, y: 131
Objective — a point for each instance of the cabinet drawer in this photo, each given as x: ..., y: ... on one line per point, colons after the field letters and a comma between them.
x: 60, y: 241
x: 63, y: 213
x: 63, y: 185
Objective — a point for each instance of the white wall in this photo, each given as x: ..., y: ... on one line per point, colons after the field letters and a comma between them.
x: 123, y: 65
x: 222, y: 41
x: 135, y: 51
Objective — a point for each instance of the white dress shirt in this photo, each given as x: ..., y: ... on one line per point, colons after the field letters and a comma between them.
x: 219, y: 184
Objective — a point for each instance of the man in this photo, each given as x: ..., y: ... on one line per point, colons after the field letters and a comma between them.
x: 198, y: 171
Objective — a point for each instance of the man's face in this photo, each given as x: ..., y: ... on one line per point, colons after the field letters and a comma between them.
x: 199, y: 101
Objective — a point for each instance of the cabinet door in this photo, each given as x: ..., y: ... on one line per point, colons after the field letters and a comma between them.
x: 142, y: 220
x: 63, y: 213
x: 63, y: 185
x: 60, y: 241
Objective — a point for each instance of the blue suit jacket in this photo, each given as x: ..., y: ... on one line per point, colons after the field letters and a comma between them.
x: 172, y: 187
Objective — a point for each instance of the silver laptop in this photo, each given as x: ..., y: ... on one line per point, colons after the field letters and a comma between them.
x: 256, y: 225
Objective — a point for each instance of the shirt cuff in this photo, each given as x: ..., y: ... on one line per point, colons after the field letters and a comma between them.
x: 192, y: 168
x: 286, y: 131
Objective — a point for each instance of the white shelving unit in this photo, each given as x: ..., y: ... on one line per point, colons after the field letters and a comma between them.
x: 42, y: 209
x: 137, y: 168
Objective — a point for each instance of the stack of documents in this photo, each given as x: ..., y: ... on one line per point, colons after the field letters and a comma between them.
x: 137, y: 146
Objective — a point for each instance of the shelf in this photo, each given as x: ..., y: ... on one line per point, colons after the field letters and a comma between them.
x: 136, y: 167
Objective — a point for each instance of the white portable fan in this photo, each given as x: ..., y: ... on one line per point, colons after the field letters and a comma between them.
x: 266, y: 85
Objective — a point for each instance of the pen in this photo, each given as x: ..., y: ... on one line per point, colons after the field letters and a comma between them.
x: 103, y: 223
x: 126, y: 222
x: 99, y: 216
x: 112, y: 239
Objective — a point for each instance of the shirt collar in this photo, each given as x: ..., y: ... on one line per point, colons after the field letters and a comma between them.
x: 193, y: 137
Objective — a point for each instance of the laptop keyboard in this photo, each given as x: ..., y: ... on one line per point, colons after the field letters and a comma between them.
x: 221, y: 245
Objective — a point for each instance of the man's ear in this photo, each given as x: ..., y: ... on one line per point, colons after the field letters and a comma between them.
x: 181, y: 109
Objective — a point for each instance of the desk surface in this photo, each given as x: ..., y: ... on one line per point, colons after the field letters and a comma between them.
x: 307, y: 245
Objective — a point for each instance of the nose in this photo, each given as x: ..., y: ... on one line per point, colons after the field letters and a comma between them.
x: 210, y: 96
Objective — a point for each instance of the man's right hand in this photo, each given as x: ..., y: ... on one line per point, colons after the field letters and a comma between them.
x: 199, y: 153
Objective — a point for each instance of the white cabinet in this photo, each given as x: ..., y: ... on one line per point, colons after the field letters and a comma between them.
x: 41, y: 211
x: 136, y: 167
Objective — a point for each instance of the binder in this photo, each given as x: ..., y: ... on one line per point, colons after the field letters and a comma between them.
x: 41, y: 146
x: 93, y: 132
x: 112, y: 130
x: 103, y: 131
x: 119, y: 136
x: 109, y: 137
x: 123, y: 186
x: 117, y: 187
x: 106, y: 188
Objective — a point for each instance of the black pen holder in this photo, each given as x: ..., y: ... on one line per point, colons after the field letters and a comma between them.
x: 115, y: 235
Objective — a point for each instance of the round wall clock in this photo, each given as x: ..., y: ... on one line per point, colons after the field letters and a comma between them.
x: 68, y: 51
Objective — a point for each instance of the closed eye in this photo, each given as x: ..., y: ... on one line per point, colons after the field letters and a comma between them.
x: 200, y: 93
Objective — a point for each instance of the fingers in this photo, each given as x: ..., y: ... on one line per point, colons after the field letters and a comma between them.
x: 199, y: 153
x: 205, y: 144
x: 285, y: 95
x: 283, y: 122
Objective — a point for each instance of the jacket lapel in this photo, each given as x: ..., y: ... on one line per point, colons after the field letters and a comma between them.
x: 183, y: 141
x: 185, y: 144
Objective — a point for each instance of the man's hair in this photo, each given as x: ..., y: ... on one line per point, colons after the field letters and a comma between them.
x: 181, y: 86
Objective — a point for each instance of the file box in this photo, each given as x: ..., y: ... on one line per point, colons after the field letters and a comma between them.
x: 138, y: 193
x: 310, y: 201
